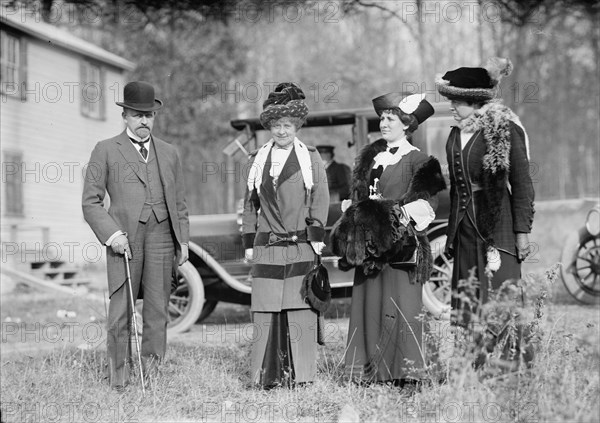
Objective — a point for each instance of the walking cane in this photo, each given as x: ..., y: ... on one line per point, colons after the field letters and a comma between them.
x: 135, y: 326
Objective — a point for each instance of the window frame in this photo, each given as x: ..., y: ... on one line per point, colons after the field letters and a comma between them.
x: 13, y: 184
x: 18, y: 63
x: 92, y: 73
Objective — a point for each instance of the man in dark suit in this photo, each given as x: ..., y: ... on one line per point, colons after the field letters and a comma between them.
x: 147, y: 219
x: 339, y: 175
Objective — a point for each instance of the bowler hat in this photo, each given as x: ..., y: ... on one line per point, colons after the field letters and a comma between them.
x: 139, y: 95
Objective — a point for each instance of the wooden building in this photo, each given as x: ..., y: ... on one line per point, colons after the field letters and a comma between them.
x: 57, y: 99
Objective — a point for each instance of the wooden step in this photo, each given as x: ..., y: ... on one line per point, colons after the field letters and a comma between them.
x: 53, y: 272
x: 72, y: 282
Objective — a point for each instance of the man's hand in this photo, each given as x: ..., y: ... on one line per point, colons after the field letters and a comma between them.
x: 317, y: 247
x: 183, y: 254
x: 120, y: 244
x: 523, y: 247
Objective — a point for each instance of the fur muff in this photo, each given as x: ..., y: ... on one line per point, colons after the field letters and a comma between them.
x: 369, y: 235
x: 427, y: 182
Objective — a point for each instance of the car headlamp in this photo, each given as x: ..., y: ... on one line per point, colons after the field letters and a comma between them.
x: 592, y: 222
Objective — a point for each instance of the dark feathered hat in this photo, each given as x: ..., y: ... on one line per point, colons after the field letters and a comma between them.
x: 474, y: 84
x: 287, y: 100
x: 414, y: 104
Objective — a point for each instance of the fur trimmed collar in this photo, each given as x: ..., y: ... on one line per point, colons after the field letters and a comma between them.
x: 364, y: 162
x: 494, y: 120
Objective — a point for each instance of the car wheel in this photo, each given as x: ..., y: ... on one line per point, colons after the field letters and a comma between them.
x: 437, y: 291
x: 581, y: 268
x: 209, y: 307
x: 186, y: 302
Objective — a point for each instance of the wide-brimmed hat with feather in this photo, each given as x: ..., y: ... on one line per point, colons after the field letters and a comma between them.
x: 474, y: 84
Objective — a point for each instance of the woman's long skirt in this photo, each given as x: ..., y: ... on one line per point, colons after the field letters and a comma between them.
x: 284, y: 344
x: 469, y: 257
x: 385, y: 335
x: 284, y: 349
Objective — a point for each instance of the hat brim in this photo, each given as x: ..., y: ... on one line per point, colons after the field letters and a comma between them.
x: 145, y: 107
x: 292, y: 109
x: 465, y: 94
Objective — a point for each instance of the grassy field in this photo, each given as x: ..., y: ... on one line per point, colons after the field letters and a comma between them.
x: 205, y: 375
x: 53, y: 360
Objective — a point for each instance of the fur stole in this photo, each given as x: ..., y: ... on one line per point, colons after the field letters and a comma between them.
x: 494, y: 120
x: 369, y: 234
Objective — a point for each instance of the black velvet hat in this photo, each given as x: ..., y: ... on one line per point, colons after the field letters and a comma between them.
x: 474, y: 84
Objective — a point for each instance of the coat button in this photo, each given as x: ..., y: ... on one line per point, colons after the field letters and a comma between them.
x: 464, y: 194
x: 457, y: 154
x: 459, y: 170
x: 462, y: 185
x: 457, y: 162
x: 460, y: 178
x: 463, y: 207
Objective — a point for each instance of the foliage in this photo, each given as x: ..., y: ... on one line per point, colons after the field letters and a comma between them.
x: 215, y: 61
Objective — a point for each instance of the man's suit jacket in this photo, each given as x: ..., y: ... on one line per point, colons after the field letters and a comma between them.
x: 114, y: 169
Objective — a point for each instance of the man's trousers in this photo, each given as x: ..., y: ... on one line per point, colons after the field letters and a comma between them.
x: 151, y: 270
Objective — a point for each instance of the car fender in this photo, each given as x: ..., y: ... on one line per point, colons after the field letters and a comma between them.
x: 218, y: 269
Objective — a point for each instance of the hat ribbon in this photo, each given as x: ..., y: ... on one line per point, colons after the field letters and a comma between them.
x: 409, y: 104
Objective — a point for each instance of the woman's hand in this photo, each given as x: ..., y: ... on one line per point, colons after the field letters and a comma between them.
x: 346, y: 204
x: 523, y: 246
x: 317, y: 247
x: 248, y: 254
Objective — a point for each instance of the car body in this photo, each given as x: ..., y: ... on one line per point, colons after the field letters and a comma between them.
x: 217, y: 271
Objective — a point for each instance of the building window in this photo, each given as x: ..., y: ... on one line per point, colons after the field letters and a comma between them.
x: 12, y: 65
x: 92, y: 96
x: 12, y: 183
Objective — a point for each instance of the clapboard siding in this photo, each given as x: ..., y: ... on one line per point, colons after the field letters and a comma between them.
x: 55, y: 140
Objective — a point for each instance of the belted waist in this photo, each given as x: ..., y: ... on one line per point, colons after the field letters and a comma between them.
x: 151, y: 203
x: 270, y: 238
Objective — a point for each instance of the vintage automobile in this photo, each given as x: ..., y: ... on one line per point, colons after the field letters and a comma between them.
x: 216, y: 270
x: 581, y: 260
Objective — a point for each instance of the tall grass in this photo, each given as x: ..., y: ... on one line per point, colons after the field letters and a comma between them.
x: 206, y: 378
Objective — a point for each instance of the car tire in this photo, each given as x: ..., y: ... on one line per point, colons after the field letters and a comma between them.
x: 187, y: 301
x: 437, y: 291
x: 579, y: 268
x: 209, y: 307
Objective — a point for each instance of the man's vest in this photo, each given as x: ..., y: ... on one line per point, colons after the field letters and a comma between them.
x: 155, y: 195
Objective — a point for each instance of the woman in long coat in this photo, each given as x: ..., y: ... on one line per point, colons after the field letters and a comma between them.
x: 491, y: 189
x: 286, y: 204
x: 385, y: 335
